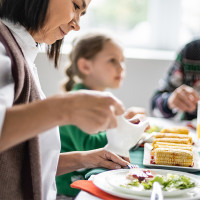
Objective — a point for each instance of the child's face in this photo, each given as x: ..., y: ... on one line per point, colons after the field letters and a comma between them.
x: 107, y: 68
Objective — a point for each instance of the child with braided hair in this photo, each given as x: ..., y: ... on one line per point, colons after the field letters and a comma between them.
x: 98, y: 61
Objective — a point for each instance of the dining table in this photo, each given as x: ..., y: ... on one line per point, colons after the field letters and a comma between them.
x: 137, y: 155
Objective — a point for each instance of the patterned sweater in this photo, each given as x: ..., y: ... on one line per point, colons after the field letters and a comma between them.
x: 185, y: 70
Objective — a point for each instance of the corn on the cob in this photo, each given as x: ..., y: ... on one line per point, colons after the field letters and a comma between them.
x: 171, y: 146
x: 166, y: 144
x: 188, y: 147
x: 165, y: 156
x: 172, y: 140
x: 173, y: 135
x: 180, y: 130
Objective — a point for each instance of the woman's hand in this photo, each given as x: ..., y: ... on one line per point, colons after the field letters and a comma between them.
x: 184, y: 98
x: 72, y: 161
x: 103, y: 158
x: 91, y: 111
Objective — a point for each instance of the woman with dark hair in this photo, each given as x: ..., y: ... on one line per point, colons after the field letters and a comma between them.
x: 29, y: 142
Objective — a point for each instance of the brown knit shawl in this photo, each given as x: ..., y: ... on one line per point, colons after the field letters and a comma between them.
x: 20, y: 170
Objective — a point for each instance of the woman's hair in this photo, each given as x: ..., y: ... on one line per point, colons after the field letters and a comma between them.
x: 30, y: 14
x: 87, y: 46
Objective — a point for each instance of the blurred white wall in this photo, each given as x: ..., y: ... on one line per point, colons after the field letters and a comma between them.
x: 142, y: 76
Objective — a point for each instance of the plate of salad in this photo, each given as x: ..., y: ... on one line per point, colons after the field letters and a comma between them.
x: 130, y: 183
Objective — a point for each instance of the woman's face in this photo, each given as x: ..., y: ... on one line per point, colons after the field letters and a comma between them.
x: 62, y: 16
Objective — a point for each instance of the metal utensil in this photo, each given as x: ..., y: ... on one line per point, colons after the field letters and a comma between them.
x: 131, y: 166
x: 140, y: 141
x: 156, y: 192
x: 143, y: 139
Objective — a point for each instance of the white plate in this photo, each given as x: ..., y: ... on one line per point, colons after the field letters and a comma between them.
x: 101, y: 181
x: 147, y: 161
x: 118, y: 178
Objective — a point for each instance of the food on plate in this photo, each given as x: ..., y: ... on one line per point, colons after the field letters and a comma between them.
x: 153, y: 128
x: 168, y: 182
x: 172, y: 146
x: 175, y: 157
x: 179, y: 130
x: 139, y: 175
x: 173, y: 135
x: 172, y: 140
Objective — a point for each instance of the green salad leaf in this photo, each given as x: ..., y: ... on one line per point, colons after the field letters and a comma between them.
x: 148, y: 184
x: 173, y: 181
x: 134, y: 183
x: 153, y: 128
x: 169, y: 182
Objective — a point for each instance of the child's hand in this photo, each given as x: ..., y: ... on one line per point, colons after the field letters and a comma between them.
x: 184, y: 98
x: 139, y: 118
x: 132, y: 111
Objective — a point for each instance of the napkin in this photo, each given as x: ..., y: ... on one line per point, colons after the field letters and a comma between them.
x: 122, y: 138
x: 89, y: 186
x: 95, y: 171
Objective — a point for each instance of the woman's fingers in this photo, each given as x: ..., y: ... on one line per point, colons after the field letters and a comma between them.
x: 126, y: 158
x: 115, y: 158
x: 102, y: 158
x: 92, y: 111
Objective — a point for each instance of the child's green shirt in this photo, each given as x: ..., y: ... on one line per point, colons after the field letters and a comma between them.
x: 74, y: 139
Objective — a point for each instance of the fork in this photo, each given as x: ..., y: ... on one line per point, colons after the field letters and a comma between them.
x: 139, y: 142
x: 143, y: 139
x: 131, y: 166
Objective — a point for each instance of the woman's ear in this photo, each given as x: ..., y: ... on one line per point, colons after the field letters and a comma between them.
x: 84, y: 66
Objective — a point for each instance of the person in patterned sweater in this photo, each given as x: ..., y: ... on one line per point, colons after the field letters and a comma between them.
x: 179, y: 90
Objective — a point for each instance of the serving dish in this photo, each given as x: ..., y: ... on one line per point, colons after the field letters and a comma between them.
x: 147, y: 161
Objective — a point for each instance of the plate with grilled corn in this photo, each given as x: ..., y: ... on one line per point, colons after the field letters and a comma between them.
x: 169, y: 155
x: 172, y: 148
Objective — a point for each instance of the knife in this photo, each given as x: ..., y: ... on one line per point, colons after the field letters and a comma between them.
x: 156, y: 192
